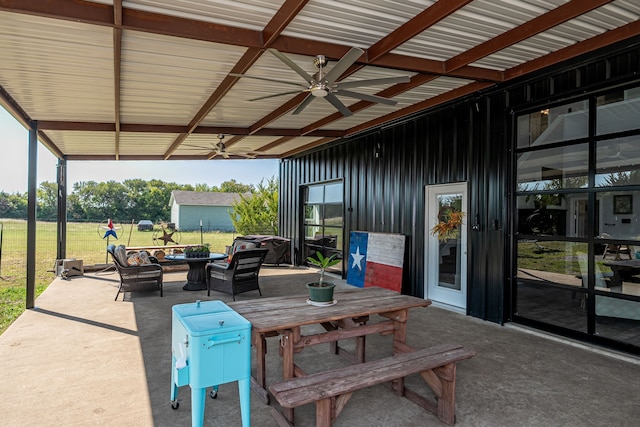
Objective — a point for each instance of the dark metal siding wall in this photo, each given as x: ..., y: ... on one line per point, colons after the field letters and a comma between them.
x: 386, y: 193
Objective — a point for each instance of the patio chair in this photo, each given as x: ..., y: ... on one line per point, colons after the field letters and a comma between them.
x: 143, y: 277
x: 239, y: 275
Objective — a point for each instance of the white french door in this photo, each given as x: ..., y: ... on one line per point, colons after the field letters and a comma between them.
x: 446, y: 255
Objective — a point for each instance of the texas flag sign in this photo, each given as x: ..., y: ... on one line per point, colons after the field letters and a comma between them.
x: 376, y: 259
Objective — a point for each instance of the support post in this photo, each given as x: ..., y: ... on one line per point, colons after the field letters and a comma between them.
x: 31, y: 213
x: 62, y: 209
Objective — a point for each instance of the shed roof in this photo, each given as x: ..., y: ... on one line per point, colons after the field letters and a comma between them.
x: 204, y: 198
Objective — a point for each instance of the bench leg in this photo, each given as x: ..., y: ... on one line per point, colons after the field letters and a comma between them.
x: 447, y: 403
x: 323, y: 413
x: 288, y: 367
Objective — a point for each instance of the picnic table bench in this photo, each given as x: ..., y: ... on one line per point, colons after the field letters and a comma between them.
x: 331, y: 390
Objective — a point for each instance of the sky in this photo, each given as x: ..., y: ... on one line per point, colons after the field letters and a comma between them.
x: 14, y: 144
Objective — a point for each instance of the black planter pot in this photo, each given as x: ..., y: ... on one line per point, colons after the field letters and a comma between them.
x: 319, y: 293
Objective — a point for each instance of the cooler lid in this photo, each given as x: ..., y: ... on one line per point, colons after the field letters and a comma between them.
x: 200, y: 307
x: 215, y: 323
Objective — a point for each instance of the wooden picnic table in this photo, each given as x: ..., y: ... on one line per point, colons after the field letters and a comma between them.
x: 348, y: 318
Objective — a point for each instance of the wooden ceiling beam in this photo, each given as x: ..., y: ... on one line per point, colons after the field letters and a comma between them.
x: 287, y: 12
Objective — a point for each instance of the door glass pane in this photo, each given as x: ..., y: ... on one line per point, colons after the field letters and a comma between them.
x: 313, y: 214
x: 618, y: 111
x: 556, y: 124
x: 618, y: 319
x: 333, y: 193
x: 315, y: 194
x: 449, y: 248
x: 618, y: 162
x: 618, y: 215
x: 553, y: 169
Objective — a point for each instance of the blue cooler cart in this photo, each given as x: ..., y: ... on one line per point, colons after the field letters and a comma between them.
x: 210, y: 345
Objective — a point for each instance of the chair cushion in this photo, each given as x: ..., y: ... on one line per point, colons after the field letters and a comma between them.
x: 120, y: 252
x: 138, y: 258
x: 240, y: 245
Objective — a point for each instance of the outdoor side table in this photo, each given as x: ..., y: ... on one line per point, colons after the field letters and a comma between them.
x: 210, y: 345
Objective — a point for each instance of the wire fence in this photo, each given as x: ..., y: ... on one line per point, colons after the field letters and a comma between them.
x: 87, y: 242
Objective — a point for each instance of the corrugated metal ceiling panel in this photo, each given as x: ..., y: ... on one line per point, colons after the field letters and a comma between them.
x: 94, y: 143
x: 472, y: 25
x: 166, y: 79
x: 252, y: 14
x: 152, y: 144
x: 57, y: 69
x: 358, y: 23
x: 588, y: 25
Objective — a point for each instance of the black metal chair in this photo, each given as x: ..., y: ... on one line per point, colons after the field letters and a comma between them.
x: 239, y: 275
x: 144, y: 277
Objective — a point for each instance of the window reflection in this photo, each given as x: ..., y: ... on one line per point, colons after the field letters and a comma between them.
x: 561, y: 123
x: 618, y: 111
x: 324, y: 220
x: 618, y: 162
x: 618, y: 215
x: 553, y: 169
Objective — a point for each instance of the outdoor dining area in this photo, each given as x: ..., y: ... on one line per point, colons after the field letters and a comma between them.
x: 81, y: 358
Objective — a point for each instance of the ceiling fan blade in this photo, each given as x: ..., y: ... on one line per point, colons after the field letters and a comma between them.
x: 198, y: 147
x: 295, y: 67
x: 304, y: 104
x: 345, y: 62
x: 331, y: 98
x: 269, y: 79
x: 365, y: 97
x: 372, y: 82
x: 225, y: 155
x: 273, y: 96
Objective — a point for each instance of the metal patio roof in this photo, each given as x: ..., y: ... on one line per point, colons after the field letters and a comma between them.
x: 154, y: 80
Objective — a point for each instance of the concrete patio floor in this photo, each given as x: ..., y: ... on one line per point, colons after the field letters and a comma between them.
x: 80, y: 358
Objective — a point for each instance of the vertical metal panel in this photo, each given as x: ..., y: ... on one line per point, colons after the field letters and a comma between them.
x: 385, y: 192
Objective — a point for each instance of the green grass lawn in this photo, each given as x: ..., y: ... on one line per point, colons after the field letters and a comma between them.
x: 84, y: 241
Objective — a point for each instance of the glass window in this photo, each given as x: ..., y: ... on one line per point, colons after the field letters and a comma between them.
x: 556, y: 214
x: 315, y: 194
x: 556, y: 124
x: 324, y: 219
x: 618, y: 162
x: 618, y: 111
x: 554, y: 168
x: 617, y: 318
x: 576, y: 216
x: 333, y: 193
x: 618, y: 215
x: 553, y: 306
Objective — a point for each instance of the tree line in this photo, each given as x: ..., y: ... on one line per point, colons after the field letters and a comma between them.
x: 121, y: 201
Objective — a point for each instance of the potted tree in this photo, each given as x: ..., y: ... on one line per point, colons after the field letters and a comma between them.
x: 321, y: 292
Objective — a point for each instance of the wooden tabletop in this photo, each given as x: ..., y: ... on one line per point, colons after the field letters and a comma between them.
x: 623, y: 263
x: 278, y: 313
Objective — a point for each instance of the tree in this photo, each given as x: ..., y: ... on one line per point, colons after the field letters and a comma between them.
x: 13, y: 205
x: 232, y: 186
x: 47, y: 195
x: 257, y: 213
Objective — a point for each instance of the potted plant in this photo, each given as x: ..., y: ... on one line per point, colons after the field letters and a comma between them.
x: 197, y: 251
x: 321, y: 291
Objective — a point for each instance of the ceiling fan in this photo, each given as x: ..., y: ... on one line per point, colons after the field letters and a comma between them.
x: 323, y: 84
x: 220, y: 149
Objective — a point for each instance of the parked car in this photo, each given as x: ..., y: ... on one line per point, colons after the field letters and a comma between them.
x: 145, y: 225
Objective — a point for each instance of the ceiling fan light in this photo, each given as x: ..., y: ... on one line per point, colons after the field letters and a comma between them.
x: 320, y: 91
